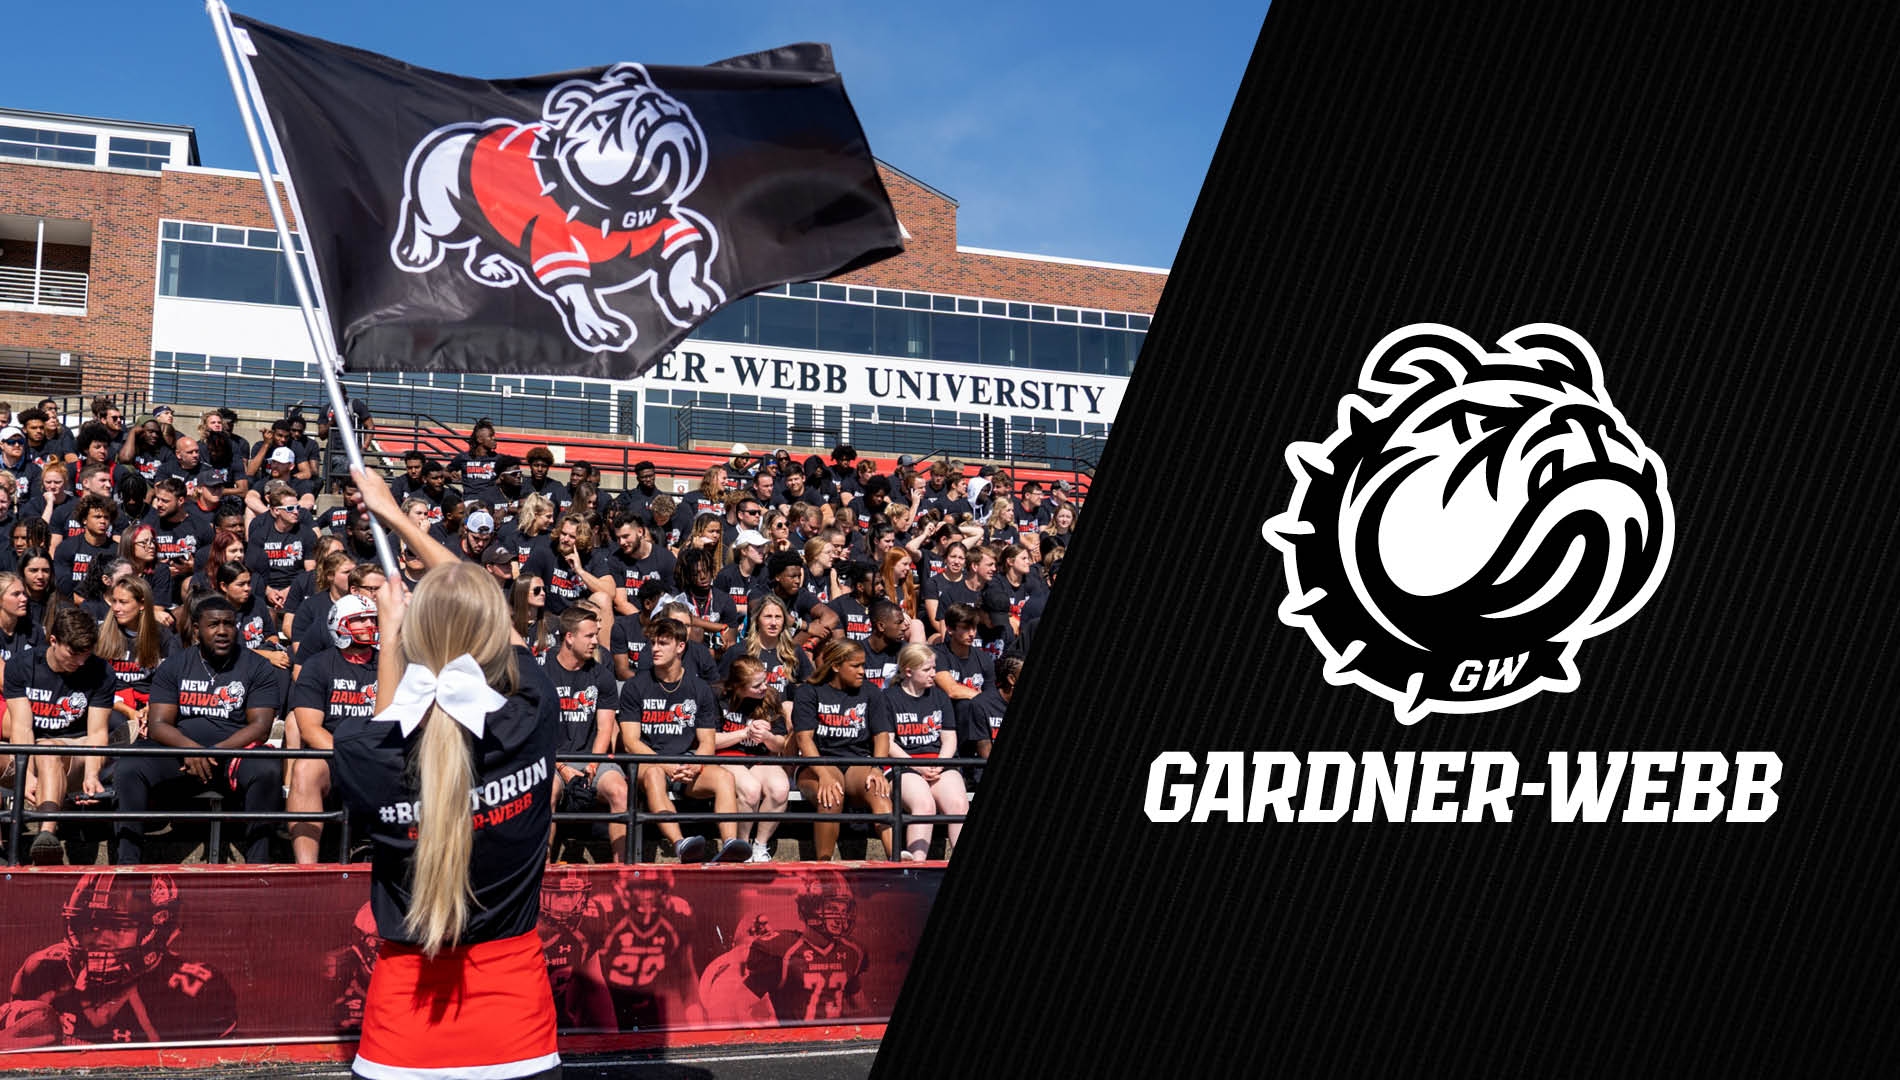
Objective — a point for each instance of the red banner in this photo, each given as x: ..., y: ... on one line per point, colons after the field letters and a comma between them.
x: 267, y: 954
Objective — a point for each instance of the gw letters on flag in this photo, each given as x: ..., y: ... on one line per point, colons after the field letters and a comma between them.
x: 575, y: 224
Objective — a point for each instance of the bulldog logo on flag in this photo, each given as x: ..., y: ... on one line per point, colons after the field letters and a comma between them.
x: 583, y: 203
x: 574, y: 224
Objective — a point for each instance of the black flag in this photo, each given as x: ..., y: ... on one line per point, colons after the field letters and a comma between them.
x: 574, y: 224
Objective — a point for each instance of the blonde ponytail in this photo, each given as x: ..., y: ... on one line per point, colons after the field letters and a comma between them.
x: 456, y: 610
x: 445, y: 836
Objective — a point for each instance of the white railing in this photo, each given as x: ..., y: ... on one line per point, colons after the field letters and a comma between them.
x: 62, y: 289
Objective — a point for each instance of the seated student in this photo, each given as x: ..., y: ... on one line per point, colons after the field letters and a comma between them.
x: 768, y: 639
x: 36, y: 576
x: 810, y: 618
x: 60, y: 695
x: 281, y: 547
x: 19, y: 634
x: 138, y: 546
x: 589, y: 697
x: 635, y: 558
x: 964, y: 668
x: 337, y: 683
x: 538, y: 482
x: 896, y: 582
x: 980, y: 719
x: 1004, y: 597
x: 889, y: 633
x: 215, y: 695
x: 145, y: 451
x: 711, y: 614
x: 821, y: 551
x: 527, y: 532
x: 944, y: 588
x: 405, y: 486
x: 839, y: 715
x: 698, y: 657
x: 54, y: 502
x: 853, y: 606
x: 256, y: 631
x: 753, y: 723
x: 667, y: 710
x: 480, y: 466
x: 95, y: 514
x: 539, y: 630
x: 923, y: 723
x: 308, y: 624
x: 132, y: 642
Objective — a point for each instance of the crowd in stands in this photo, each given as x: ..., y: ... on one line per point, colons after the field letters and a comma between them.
x: 173, y: 584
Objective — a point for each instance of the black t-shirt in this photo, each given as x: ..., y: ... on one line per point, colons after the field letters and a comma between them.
x: 630, y: 573
x: 564, y: 587
x: 553, y: 490
x: 59, y: 703
x: 254, y: 623
x: 478, y: 474
x: 980, y: 717
x: 734, y: 583
x: 954, y: 592
x: 436, y: 502
x: 801, y: 607
x: 842, y: 724
x: 211, y: 703
x: 311, y: 621
x: 715, y: 606
x: 75, y: 556
x: 698, y: 660
x: 853, y: 617
x: 978, y: 672
x: 334, y: 519
x: 279, y: 556
x: 581, y: 695
x: 27, y: 637
x: 668, y: 720
x: 1000, y: 601
x: 126, y: 670
x: 777, y: 673
x: 732, y: 717
x: 181, y: 539
x: 880, y: 667
x: 628, y: 638
x: 918, y: 723
x: 26, y: 479
x: 335, y: 687
x: 511, y: 796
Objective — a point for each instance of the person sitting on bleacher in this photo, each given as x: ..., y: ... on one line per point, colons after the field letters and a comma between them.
x: 668, y: 710
x: 589, y: 697
x: 60, y: 695
x: 964, y: 668
x: 212, y: 696
x: 923, y: 723
x: 336, y: 683
x: 838, y: 715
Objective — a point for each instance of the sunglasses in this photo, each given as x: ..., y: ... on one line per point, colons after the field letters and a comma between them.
x: 537, y: 591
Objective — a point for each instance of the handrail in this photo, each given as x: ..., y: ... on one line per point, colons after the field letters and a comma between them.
x: 635, y: 816
x: 44, y: 288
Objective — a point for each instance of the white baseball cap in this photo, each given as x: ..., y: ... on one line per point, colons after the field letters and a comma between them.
x: 479, y: 521
x: 283, y: 456
x: 749, y: 538
x: 739, y: 449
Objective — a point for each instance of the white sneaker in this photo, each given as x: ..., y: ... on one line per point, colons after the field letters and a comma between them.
x: 760, y: 852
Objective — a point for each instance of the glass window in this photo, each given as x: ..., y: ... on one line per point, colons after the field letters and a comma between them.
x: 845, y: 327
x: 170, y: 230
x: 902, y: 333
x: 1113, y: 319
x: 737, y: 321
x: 198, y: 232
x: 684, y: 397
x: 140, y: 146
x: 252, y: 365
x: 803, y: 288
x: 1019, y: 311
x: 207, y: 272
x: 230, y: 236
x: 860, y: 412
x: 890, y: 298
x: 1095, y: 354
x: 1004, y: 342
x: 1091, y: 318
x: 970, y: 307
x: 831, y: 292
x: 1065, y: 315
x: 137, y: 162
x: 792, y: 323
x: 954, y: 339
x: 1137, y: 322
x: 41, y: 144
x: 943, y: 303
x: 1042, y: 311
x: 863, y: 296
x: 262, y: 238
x: 1052, y: 347
x: 917, y: 300
x: 995, y: 307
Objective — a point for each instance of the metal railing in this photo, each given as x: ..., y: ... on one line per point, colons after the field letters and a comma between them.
x: 635, y: 817
x: 66, y: 290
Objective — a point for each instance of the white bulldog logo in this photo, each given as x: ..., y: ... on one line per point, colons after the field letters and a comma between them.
x: 579, y: 205
x: 1475, y: 517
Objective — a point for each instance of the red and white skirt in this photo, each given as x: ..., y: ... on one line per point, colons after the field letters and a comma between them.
x: 483, y: 1012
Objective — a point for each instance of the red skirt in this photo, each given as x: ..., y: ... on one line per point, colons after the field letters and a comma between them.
x: 485, y: 1010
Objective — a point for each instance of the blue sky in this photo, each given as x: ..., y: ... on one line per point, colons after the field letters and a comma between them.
x: 1060, y: 127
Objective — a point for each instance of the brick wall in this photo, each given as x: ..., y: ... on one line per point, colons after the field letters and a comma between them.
x: 124, y: 209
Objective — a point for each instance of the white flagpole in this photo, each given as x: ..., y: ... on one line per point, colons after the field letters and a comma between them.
x: 328, y: 363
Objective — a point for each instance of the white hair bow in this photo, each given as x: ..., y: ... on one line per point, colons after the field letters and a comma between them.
x: 460, y: 688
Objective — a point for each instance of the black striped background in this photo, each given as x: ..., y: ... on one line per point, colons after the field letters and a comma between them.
x: 1710, y: 194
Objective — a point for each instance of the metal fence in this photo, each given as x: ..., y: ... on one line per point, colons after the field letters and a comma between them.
x: 63, y: 290
x: 635, y: 817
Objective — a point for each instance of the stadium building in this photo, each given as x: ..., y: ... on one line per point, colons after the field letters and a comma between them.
x: 126, y: 267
